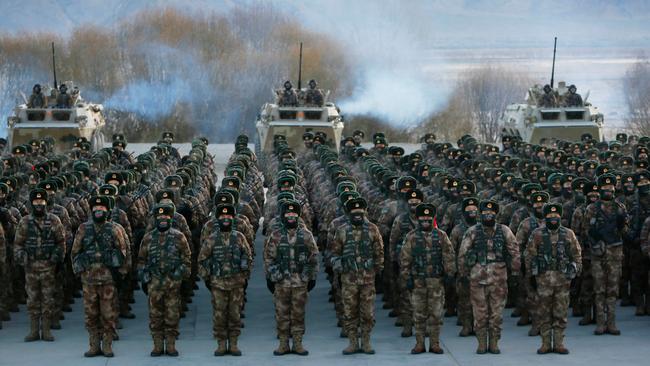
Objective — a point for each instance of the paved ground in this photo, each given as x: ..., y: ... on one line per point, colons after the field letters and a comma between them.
x: 258, y: 340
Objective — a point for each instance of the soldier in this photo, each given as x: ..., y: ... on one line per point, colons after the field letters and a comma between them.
x: 573, y: 99
x: 604, y: 224
x: 358, y: 255
x: 291, y: 265
x: 37, y: 99
x: 553, y: 260
x: 288, y: 96
x: 224, y: 264
x: 314, y: 96
x: 548, y: 99
x: 4, y: 283
x: 63, y: 100
x: 427, y: 259
x: 39, y: 246
x: 164, y: 260
x: 485, y: 252
x: 99, y: 256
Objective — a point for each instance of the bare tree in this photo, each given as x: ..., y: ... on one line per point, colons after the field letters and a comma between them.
x: 636, y: 84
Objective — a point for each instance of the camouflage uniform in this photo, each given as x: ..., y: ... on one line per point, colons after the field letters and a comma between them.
x: 482, y: 257
x: 99, y: 254
x: 225, y: 262
x: 163, y: 262
x: 358, y: 255
x: 425, y: 258
x: 39, y: 246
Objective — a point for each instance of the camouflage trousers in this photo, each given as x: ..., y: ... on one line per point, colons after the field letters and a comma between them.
x: 164, y: 307
x: 226, y: 312
x: 4, y: 285
x: 639, y: 265
x: 358, y: 307
x: 488, y: 302
x: 586, y: 296
x: 100, y: 313
x: 290, y: 305
x: 40, y: 287
x: 402, y: 302
x: 428, y: 307
x: 338, y: 300
x: 464, y: 303
x: 606, y: 271
x: 553, y: 294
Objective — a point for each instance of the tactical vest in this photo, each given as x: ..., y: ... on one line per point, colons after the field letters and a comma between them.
x: 226, y: 260
x: 99, y: 247
x: 285, y: 263
x: 427, y: 261
x: 405, y: 227
x: 545, y: 259
x: 357, y: 255
x: 479, y: 252
x: 606, y: 226
x: 40, y: 243
x: 164, y: 258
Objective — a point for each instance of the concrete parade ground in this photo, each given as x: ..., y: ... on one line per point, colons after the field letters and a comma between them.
x: 258, y: 340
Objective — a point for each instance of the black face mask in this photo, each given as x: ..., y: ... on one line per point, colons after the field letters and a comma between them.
x: 488, y: 219
x: 426, y: 225
x: 290, y: 222
x: 567, y: 193
x: 470, y: 217
x: 606, y: 194
x: 225, y: 224
x: 356, y: 219
x: 628, y: 191
x: 552, y: 223
x: 39, y: 210
x: 644, y: 189
x: 539, y: 212
x: 99, y: 216
x: 163, y: 224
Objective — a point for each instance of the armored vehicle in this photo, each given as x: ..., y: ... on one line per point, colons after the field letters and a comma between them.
x: 65, y: 125
x: 294, y: 120
x: 538, y: 124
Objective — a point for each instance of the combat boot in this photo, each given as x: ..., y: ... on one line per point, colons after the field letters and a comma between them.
x: 353, y: 347
x: 95, y: 349
x: 546, y: 343
x: 365, y: 344
x: 481, y: 336
x: 298, y: 347
x: 419, y: 345
x: 434, y: 342
x: 407, y: 331
x: 558, y: 342
x: 158, y: 346
x: 534, y: 329
x: 600, y: 324
x: 494, y: 343
x: 524, y: 319
x: 640, y: 306
x: 33, y: 330
x: 55, y: 323
x: 466, y: 330
x: 170, y: 346
x: 586, y: 316
x: 221, y: 348
x: 232, y: 346
x: 611, y: 325
x: 107, y: 345
x: 283, y: 348
x: 46, y: 334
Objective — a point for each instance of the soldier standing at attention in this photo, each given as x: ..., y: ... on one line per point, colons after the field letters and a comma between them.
x: 291, y: 265
x: 224, y: 263
x: 358, y: 255
x: 427, y: 259
x: 37, y: 99
x: 163, y: 262
x: 553, y: 260
x: 485, y: 252
x: 99, y: 256
x: 39, y: 246
x: 288, y: 96
x: 604, y: 224
x: 548, y: 99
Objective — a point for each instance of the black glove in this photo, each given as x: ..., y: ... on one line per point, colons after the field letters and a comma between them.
x: 533, y: 282
x: 620, y: 221
x: 450, y: 281
x: 208, y: 285
x: 410, y: 284
x: 311, y: 284
x: 145, y: 288
x: 270, y: 285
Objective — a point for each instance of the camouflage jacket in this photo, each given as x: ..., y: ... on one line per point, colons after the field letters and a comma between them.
x: 495, y: 266
x: 350, y: 248
x: 414, y: 262
x: 291, y: 257
x: 50, y: 240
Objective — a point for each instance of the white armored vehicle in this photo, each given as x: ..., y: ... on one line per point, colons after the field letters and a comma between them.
x: 65, y: 125
x: 538, y: 123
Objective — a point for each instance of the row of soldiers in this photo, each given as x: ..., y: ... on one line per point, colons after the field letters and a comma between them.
x: 540, y: 227
x: 107, y: 223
